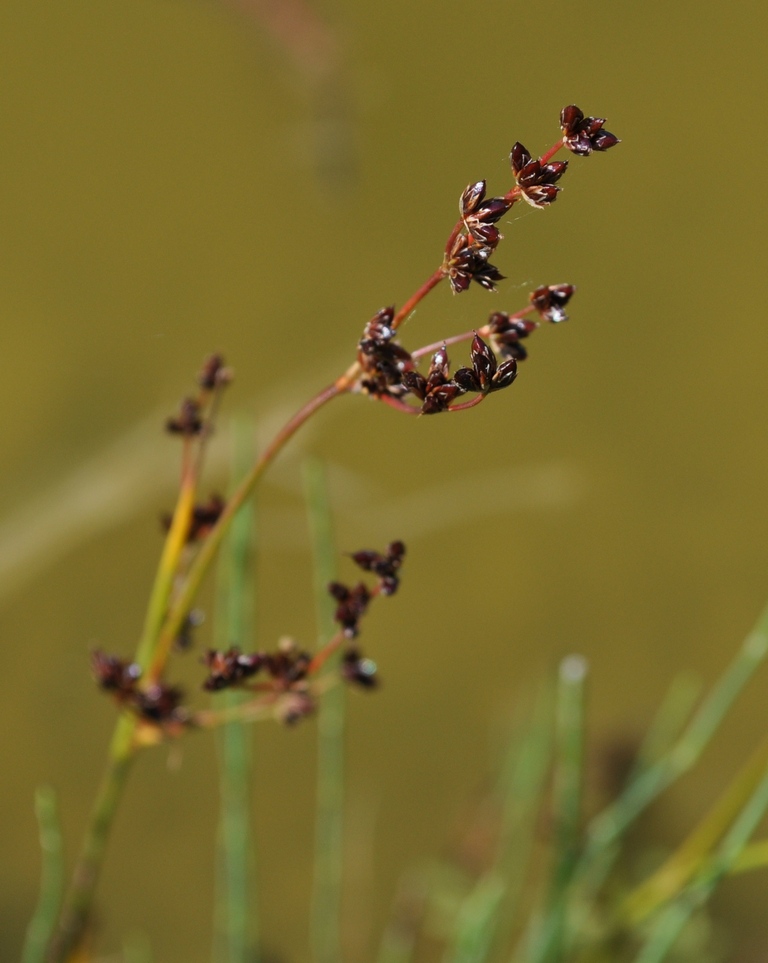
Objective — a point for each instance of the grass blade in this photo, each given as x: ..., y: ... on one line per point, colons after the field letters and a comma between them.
x: 488, y: 913
x: 549, y: 935
x: 236, y: 920
x: 673, y: 918
x: 608, y: 827
x: 689, y: 857
x: 43, y: 922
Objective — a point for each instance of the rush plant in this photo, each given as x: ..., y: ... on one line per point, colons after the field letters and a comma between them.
x: 288, y: 681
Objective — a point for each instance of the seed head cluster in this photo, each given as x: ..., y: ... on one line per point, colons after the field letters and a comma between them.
x: 385, y: 370
x: 389, y: 372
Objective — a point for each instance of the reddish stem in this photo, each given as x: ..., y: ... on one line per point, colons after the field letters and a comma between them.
x: 437, y: 345
x: 547, y: 156
x: 467, y: 404
x: 398, y: 405
x: 484, y: 332
x: 459, y: 226
x: 414, y: 299
x: 325, y: 653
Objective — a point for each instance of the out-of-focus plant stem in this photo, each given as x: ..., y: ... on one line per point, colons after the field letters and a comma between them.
x: 236, y: 916
x: 325, y: 922
x: 51, y: 877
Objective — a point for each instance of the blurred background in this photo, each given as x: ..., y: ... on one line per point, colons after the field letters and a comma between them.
x: 259, y: 178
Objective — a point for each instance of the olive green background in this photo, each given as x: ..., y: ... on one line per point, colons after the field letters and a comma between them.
x: 174, y: 179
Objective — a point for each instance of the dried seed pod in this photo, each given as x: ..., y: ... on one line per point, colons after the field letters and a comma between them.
x: 114, y: 674
x: 483, y: 362
x: 359, y: 670
x: 550, y: 301
x: 160, y: 703
x: 188, y: 422
x: 230, y: 668
x: 467, y: 262
x: 214, y: 374
x: 582, y: 135
x: 353, y: 604
x: 471, y: 197
x: 507, y: 332
x: 382, y: 359
x: 467, y: 379
x: 536, y: 180
x: 505, y: 375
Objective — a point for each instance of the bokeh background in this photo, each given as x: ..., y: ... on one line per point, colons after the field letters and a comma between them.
x: 256, y: 178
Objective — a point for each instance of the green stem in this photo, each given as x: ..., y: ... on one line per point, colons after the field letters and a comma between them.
x: 79, y: 899
x: 236, y: 916
x: 44, y: 920
x: 166, y: 570
x: 549, y: 938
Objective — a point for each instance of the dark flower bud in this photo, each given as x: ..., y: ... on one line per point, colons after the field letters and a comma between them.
x: 550, y: 301
x: 469, y: 262
x: 188, y: 422
x: 114, y: 674
x: 185, y: 638
x: 358, y: 670
x: 471, y: 198
x: 213, y: 374
x: 416, y: 383
x: 505, y: 375
x: 353, y: 604
x: 230, y: 668
x: 440, y: 398
x: 382, y: 359
x: 582, y: 135
x: 483, y: 362
x: 385, y: 566
x: 160, y: 703
x: 389, y: 584
x: 536, y: 180
x: 467, y: 379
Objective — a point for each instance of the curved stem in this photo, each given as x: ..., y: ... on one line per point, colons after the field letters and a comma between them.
x: 417, y: 296
x: 398, y: 405
x: 183, y: 602
x: 478, y: 399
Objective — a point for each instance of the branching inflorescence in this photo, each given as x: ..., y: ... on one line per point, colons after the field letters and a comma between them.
x: 286, y: 681
x: 389, y: 373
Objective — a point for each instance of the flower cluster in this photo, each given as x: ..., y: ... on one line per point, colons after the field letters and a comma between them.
x: 383, y: 361
x: 536, y: 180
x: 286, y: 673
x: 582, y: 135
x: 204, y: 517
x: 466, y: 257
x: 190, y: 420
x: 476, y: 236
x: 285, y: 666
x: 389, y: 372
x: 438, y: 389
x: 354, y: 602
x: 157, y: 703
x: 550, y: 301
x: 286, y: 669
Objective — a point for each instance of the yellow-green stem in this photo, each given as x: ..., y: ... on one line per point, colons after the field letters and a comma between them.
x: 183, y: 602
x: 166, y: 571
x: 79, y: 899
